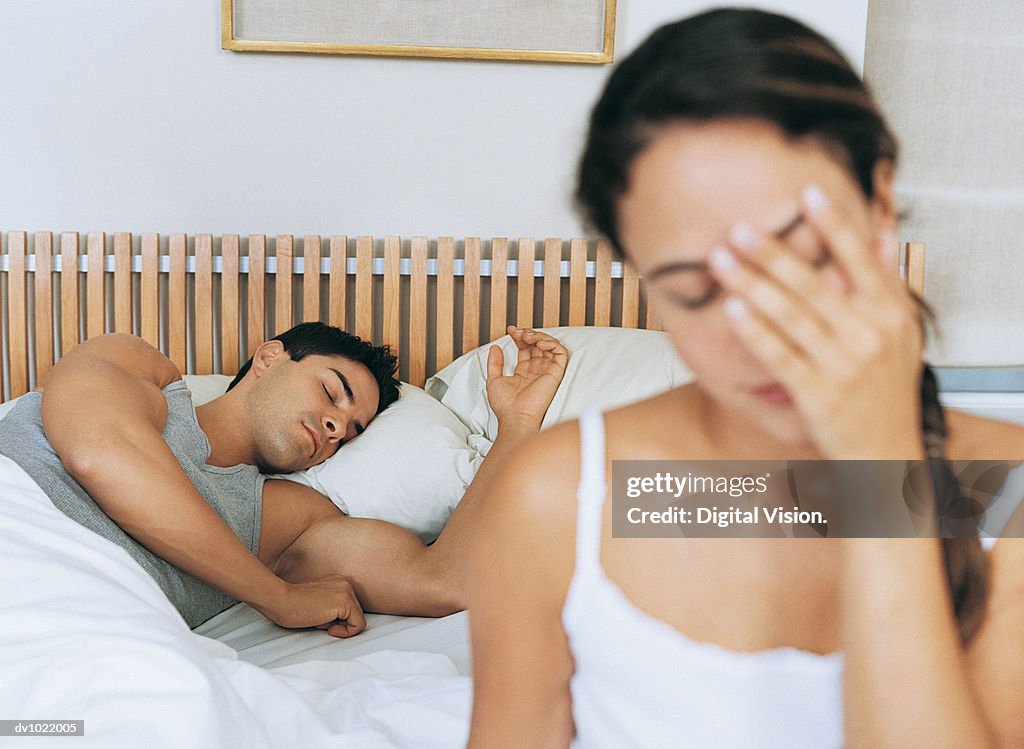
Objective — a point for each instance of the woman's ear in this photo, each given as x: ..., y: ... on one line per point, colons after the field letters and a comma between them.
x: 268, y: 354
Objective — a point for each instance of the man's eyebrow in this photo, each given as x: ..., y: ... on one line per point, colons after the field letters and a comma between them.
x: 345, y: 385
x: 359, y: 427
x: 683, y: 265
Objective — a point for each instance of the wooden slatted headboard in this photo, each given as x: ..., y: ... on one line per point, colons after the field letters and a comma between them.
x: 207, y: 302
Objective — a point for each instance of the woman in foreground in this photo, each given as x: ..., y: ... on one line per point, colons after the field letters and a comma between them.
x: 741, y: 165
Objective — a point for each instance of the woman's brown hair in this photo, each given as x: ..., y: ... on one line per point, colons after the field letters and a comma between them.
x: 734, y: 63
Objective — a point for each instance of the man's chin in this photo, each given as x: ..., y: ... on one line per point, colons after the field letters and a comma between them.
x: 272, y: 467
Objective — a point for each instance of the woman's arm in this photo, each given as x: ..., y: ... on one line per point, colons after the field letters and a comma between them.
x: 906, y: 678
x: 996, y: 654
x: 847, y: 346
x: 521, y: 560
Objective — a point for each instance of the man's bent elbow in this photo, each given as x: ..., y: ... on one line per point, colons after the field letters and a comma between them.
x: 446, y: 585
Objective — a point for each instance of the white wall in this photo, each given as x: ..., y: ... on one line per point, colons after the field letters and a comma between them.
x: 128, y: 116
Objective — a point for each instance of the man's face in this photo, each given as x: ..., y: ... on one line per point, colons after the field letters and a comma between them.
x: 302, y: 412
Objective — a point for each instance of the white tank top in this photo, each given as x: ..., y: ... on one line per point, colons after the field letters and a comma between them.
x: 639, y: 682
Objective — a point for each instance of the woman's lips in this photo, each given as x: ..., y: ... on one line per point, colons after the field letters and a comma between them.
x: 773, y: 392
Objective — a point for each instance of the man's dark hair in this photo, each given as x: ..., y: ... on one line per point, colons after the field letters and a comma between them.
x: 318, y: 339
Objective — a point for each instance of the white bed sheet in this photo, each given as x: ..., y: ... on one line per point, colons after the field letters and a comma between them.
x: 259, y: 641
x: 86, y: 634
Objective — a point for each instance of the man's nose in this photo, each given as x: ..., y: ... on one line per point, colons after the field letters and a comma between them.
x: 335, y: 425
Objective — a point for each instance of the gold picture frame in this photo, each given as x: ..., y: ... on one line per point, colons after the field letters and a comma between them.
x: 571, y: 31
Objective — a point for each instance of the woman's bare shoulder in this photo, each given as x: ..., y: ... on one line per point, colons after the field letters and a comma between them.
x: 660, y: 427
x: 980, y: 438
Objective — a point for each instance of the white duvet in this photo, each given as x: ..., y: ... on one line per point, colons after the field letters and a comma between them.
x: 85, y: 634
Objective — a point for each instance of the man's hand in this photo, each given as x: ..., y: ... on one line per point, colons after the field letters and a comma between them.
x: 524, y: 396
x: 327, y: 602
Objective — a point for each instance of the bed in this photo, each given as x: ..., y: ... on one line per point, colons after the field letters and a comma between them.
x: 88, y: 636
x: 85, y: 634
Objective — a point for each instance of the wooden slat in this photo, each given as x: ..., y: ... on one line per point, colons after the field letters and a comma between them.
x: 44, y: 303
x: 445, y: 330
x: 69, y: 318
x: 499, y: 287
x: 578, y: 282
x: 123, y: 282
x: 177, y: 245
x: 149, y: 288
x: 284, y: 249
x: 603, y: 284
x: 338, y: 280
x: 630, y: 296
x: 229, y: 304
x: 95, y: 286
x: 257, y: 318
x: 17, y: 331
x: 650, y: 322
x: 552, y: 281
x: 915, y: 267
x: 392, y: 292
x: 524, y: 309
x: 204, y: 304
x: 420, y: 247
x: 364, y: 287
x: 311, y: 278
x: 471, y: 294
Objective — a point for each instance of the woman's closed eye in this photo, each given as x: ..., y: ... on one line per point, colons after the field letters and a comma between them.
x: 689, y: 285
x: 690, y: 288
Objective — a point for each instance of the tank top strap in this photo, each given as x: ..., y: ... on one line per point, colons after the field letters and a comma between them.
x: 591, y: 491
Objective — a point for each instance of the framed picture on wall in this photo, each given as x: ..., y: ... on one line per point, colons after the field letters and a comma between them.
x: 581, y: 31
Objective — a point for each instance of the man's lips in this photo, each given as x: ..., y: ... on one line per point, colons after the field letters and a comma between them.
x: 772, y: 392
x: 314, y: 437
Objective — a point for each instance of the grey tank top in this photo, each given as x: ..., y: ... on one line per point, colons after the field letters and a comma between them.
x: 235, y: 493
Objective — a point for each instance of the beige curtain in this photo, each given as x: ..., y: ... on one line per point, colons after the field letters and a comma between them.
x: 950, y: 75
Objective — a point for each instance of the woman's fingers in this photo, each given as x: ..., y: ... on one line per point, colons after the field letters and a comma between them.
x: 779, y: 354
x: 784, y: 290
x: 855, y: 257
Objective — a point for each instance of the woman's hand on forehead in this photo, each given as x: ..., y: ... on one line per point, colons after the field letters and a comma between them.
x: 850, y: 357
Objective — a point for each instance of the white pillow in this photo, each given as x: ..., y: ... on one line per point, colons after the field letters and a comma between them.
x: 205, y: 388
x: 608, y: 367
x: 410, y: 467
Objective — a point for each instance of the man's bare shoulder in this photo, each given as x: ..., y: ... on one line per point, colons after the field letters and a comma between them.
x: 980, y: 438
x: 130, y: 353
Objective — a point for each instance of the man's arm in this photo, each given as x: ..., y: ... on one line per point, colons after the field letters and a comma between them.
x: 104, y: 413
x: 391, y: 569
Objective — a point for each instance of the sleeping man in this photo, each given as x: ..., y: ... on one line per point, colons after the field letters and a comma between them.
x: 114, y: 441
